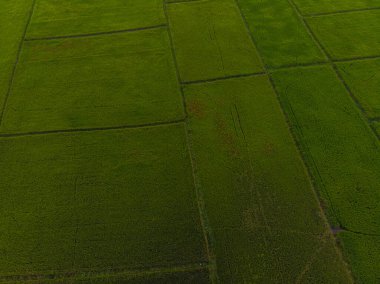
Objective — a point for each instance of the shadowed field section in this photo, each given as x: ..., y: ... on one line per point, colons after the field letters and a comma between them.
x: 308, y: 7
x: 98, y: 201
x: 279, y: 33
x: 60, y: 18
x: 341, y: 151
x: 363, y: 79
x: 13, y: 18
x: 348, y: 35
x: 112, y: 80
x: 210, y: 40
x: 265, y: 220
x: 199, y: 276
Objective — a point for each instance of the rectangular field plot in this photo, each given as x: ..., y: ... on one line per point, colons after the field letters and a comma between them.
x: 348, y: 35
x: 13, y: 18
x: 60, y: 18
x: 280, y: 36
x: 95, y: 201
x: 112, y: 80
x: 340, y: 149
x: 210, y: 40
x: 363, y: 79
x: 308, y: 7
x: 259, y: 200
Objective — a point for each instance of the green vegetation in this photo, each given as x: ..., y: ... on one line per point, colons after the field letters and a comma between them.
x: 113, y: 80
x: 363, y: 251
x: 308, y: 7
x: 13, y: 17
x: 363, y: 78
x: 252, y: 177
x: 95, y: 202
x: 280, y: 35
x: 211, y: 41
x: 377, y: 127
x: 154, y: 277
x: 190, y: 141
x: 58, y: 18
x: 348, y: 35
x: 340, y: 149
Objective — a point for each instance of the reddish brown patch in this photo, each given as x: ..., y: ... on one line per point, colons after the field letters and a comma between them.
x: 195, y: 107
x: 269, y: 148
x: 227, y: 137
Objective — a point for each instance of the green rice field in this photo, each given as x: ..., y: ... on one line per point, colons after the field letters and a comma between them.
x: 190, y: 141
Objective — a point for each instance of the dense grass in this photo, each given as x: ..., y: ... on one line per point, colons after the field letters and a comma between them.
x: 97, y: 201
x: 210, y: 40
x: 57, y: 18
x: 120, y: 79
x: 260, y: 204
x: 139, y: 144
x: 197, y: 276
x: 280, y: 36
x: 363, y: 252
x: 349, y: 35
x: 363, y: 78
x: 330, y: 6
x: 340, y: 149
x: 13, y: 17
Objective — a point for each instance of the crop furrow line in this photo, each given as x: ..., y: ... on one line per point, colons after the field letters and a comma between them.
x: 223, y: 78
x: 314, y: 15
x: 74, y: 130
x: 96, y: 34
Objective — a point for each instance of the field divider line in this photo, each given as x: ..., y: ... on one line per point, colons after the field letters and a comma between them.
x: 10, y: 84
x: 297, y: 144
x: 339, y: 12
x: 353, y: 59
x: 223, y: 78
x: 205, y: 224
x: 85, y: 274
x: 96, y: 34
x: 364, y: 115
x: 94, y: 129
x: 306, y: 65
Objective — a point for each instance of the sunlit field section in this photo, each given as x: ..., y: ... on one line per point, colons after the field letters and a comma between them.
x: 99, y: 81
x: 210, y: 40
x: 363, y: 79
x: 348, y: 35
x: 279, y: 34
x: 52, y: 18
